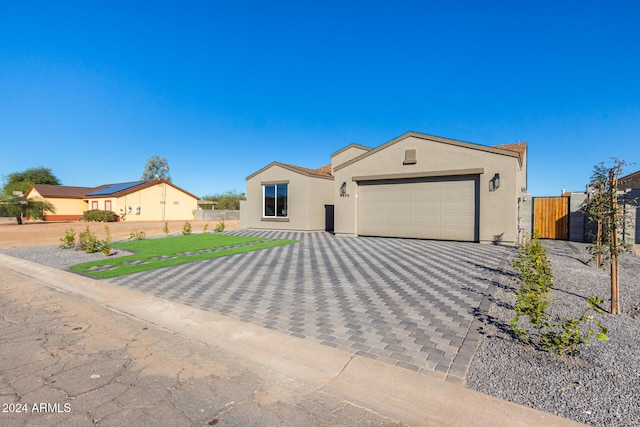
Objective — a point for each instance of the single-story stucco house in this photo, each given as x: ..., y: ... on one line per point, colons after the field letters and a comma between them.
x: 68, y: 202
x: 414, y: 186
x: 156, y: 200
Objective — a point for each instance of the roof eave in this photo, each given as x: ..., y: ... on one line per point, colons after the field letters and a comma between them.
x: 431, y: 138
x: 289, y: 168
x: 142, y: 186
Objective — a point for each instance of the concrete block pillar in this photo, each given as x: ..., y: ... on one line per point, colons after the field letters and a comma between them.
x: 525, y: 218
x: 577, y: 220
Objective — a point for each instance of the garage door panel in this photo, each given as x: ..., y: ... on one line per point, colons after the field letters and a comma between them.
x: 455, y: 235
x: 400, y: 232
x: 458, y: 206
x: 430, y: 209
x: 402, y: 220
x: 373, y: 196
x: 427, y: 193
x: 433, y: 233
x: 398, y: 206
x: 400, y: 194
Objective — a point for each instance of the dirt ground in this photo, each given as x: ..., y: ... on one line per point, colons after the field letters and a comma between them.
x: 13, y: 235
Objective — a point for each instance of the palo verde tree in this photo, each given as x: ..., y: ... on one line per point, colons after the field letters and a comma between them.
x: 156, y: 168
x: 603, y: 208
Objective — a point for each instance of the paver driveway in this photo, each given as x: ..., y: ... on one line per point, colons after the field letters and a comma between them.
x: 410, y: 303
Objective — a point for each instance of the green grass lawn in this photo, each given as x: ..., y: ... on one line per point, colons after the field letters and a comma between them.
x: 164, y: 252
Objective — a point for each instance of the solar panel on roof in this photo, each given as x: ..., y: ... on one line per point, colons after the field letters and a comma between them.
x: 116, y: 188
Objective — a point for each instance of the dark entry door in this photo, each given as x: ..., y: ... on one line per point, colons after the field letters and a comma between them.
x: 328, y: 218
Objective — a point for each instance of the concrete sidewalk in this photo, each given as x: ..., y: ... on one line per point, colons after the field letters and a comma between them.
x: 121, y: 357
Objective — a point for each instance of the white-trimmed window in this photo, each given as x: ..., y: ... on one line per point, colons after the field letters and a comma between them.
x: 107, y: 205
x: 94, y: 204
x: 275, y: 200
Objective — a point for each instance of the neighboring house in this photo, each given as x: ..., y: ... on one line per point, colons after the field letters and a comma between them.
x: 583, y: 230
x: 416, y: 186
x: 630, y: 185
x: 631, y: 181
x: 156, y: 200
x: 68, y: 202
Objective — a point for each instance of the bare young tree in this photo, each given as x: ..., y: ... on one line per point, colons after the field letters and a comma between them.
x: 595, y: 207
x: 602, y: 207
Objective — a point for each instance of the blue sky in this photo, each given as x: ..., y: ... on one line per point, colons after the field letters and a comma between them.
x: 221, y: 89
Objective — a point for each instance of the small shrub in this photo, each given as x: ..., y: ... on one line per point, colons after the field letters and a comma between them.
x: 205, y: 228
x: 533, y: 302
x: 89, y: 242
x: 186, y: 228
x: 137, y: 235
x: 565, y: 337
x: 106, y: 243
x: 535, y: 271
x: 166, y: 228
x: 69, y: 239
x: 219, y: 226
x: 97, y: 215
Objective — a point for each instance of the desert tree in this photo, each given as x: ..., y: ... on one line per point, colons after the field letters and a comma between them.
x: 595, y: 207
x: 156, y: 168
x: 19, y: 182
x: 18, y: 206
x: 12, y: 200
x: 603, y: 208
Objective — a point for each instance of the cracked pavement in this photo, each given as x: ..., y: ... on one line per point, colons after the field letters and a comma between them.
x: 95, y: 366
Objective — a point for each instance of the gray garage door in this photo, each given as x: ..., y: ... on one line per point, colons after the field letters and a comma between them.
x: 427, y: 209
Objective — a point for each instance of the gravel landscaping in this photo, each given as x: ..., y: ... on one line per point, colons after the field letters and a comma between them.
x: 601, y: 385
x: 58, y: 258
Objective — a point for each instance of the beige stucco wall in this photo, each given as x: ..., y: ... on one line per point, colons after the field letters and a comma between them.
x: 63, y: 208
x: 347, y: 153
x: 498, y: 213
x: 160, y: 202
x: 306, y: 199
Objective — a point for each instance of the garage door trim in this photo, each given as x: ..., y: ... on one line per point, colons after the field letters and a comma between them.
x: 429, y: 174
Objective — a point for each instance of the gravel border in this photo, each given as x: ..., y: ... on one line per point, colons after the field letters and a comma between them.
x: 58, y: 258
x: 599, y: 386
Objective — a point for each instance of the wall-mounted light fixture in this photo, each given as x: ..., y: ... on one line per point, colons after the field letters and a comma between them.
x: 343, y: 190
x: 137, y: 210
x: 129, y: 209
x: 494, y: 183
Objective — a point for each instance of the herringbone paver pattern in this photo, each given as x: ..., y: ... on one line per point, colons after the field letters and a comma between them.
x: 407, y: 302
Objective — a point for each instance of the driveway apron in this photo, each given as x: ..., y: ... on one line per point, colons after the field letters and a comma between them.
x: 417, y: 304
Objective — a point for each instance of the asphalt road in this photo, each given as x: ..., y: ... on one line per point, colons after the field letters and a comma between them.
x: 65, y: 360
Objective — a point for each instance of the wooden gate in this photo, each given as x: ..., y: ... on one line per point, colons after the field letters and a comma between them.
x: 551, y: 217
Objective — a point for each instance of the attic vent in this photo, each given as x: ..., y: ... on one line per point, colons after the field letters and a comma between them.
x: 410, y: 157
